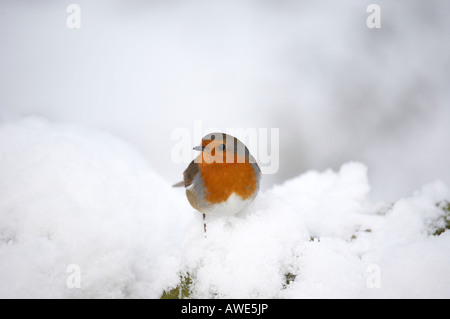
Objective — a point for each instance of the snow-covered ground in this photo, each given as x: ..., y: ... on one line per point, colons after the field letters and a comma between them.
x: 77, y: 198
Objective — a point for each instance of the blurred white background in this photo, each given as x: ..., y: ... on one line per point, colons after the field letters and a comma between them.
x: 337, y: 90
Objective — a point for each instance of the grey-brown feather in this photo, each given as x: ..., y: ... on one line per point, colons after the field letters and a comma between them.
x: 188, y: 175
x: 179, y: 184
x: 190, y: 172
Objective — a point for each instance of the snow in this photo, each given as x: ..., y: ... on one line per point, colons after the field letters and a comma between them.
x: 78, y: 196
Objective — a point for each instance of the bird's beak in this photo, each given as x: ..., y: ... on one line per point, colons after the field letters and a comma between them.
x: 200, y: 148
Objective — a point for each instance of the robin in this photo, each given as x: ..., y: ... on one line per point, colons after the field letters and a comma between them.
x: 223, y: 179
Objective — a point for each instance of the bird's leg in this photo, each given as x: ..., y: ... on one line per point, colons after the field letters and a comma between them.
x: 204, y: 224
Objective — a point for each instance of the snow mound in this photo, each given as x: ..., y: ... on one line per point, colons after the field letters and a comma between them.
x: 74, y: 196
x: 318, y: 236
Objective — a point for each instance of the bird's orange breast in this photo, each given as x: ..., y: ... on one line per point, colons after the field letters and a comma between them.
x: 220, y: 180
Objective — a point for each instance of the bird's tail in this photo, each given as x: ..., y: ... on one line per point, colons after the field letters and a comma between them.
x: 178, y: 184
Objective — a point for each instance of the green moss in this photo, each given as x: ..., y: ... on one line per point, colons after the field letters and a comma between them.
x: 314, y: 239
x: 441, y: 230
x: 354, y: 236
x: 445, y: 206
x: 288, y: 279
x: 181, y: 291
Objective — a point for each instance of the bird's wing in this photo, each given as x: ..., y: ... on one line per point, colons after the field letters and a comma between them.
x: 188, y: 175
x: 190, y: 172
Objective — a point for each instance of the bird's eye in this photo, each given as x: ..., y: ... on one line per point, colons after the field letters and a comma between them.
x: 213, y: 137
x: 222, y: 147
